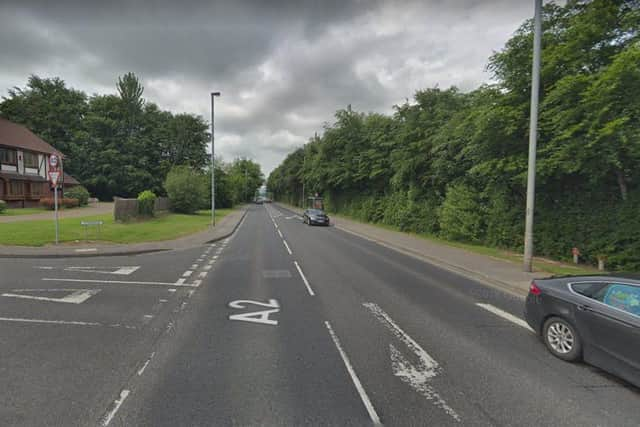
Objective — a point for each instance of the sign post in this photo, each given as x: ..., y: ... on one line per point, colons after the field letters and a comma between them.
x: 54, y: 175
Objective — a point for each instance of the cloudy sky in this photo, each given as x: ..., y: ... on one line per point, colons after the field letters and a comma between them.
x: 283, y: 66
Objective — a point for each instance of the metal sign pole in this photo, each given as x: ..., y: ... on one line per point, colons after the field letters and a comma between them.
x: 55, y: 206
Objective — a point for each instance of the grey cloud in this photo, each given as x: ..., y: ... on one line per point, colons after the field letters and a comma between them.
x: 283, y: 66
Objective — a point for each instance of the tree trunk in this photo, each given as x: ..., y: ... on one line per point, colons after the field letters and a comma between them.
x: 622, y: 184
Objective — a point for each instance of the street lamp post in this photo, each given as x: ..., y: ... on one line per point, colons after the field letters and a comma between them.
x: 533, y: 136
x: 213, y: 166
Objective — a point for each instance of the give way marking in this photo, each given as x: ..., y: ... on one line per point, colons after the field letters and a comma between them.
x: 76, y: 296
x: 418, y: 377
x: 120, y: 271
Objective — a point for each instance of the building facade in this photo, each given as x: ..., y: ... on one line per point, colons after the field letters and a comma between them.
x: 24, y: 166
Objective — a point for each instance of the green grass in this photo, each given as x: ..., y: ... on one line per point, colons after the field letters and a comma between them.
x: 163, y: 227
x: 30, y: 211
x: 540, y: 264
x: 22, y: 211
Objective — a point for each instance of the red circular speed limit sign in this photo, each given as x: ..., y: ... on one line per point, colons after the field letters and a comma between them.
x: 53, y: 161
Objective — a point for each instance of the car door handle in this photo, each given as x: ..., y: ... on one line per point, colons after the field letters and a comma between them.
x: 583, y: 307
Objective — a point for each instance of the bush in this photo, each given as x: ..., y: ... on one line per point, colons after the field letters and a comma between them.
x: 461, y: 214
x: 3, y: 206
x: 186, y: 189
x: 80, y: 193
x: 146, y: 203
x: 65, y: 202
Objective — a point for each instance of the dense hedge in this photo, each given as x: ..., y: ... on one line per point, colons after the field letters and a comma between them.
x: 454, y: 164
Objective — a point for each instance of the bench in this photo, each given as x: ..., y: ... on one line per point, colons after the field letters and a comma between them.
x: 95, y: 224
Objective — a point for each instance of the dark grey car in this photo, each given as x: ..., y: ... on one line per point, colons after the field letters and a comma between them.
x: 315, y: 216
x: 594, y: 318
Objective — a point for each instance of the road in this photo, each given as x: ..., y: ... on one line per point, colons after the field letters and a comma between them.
x: 280, y: 324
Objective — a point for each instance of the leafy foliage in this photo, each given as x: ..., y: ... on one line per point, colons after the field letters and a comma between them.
x: 186, y: 189
x: 146, y: 203
x: 116, y: 145
x: 79, y: 193
x: 454, y: 164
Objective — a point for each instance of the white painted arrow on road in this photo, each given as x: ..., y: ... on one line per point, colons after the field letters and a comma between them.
x: 419, y: 376
x: 76, y: 296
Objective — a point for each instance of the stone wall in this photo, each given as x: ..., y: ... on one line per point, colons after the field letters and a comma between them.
x: 125, y: 209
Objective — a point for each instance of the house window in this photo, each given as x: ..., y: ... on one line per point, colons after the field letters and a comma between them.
x: 30, y: 160
x: 16, y: 188
x: 8, y: 157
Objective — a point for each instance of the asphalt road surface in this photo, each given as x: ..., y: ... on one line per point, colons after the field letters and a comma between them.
x: 280, y: 324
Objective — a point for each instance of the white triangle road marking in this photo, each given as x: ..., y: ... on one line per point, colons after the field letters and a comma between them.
x: 76, y: 296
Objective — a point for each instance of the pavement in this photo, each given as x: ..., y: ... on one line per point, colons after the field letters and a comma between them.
x: 280, y: 324
x: 223, y: 228
x: 96, y: 209
x: 489, y: 270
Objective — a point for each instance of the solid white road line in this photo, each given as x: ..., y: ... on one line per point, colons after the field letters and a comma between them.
x: 118, y: 403
x: 53, y: 322
x: 76, y: 296
x: 117, y: 282
x: 187, y: 273
x: 507, y: 316
x: 287, y: 246
x: 361, y: 391
x: 87, y: 250
x: 304, y: 279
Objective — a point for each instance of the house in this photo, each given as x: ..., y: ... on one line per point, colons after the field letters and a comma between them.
x: 24, y: 166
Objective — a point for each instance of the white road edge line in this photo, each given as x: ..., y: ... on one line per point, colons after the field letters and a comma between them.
x: 304, y: 279
x: 118, y: 403
x: 287, y: 246
x: 506, y: 316
x: 354, y: 377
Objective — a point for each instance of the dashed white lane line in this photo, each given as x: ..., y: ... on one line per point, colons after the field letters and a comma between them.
x: 202, y: 274
x: 194, y: 266
x: 304, y: 279
x: 280, y: 234
x: 187, y: 273
x: 207, y: 267
x: 197, y: 283
x: 171, y: 290
x: 354, y: 377
x: 53, y: 322
x: 116, y: 407
x: 506, y: 316
x: 141, y: 370
x: 287, y: 246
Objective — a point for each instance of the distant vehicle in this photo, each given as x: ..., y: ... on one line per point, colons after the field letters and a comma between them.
x: 315, y: 216
x: 267, y: 200
x: 258, y: 200
x: 593, y: 318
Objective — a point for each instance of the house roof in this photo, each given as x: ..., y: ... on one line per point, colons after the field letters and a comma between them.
x: 69, y: 180
x: 15, y: 135
x: 19, y: 177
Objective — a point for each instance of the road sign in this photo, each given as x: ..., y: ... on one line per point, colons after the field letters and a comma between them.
x: 53, y: 177
x: 53, y: 161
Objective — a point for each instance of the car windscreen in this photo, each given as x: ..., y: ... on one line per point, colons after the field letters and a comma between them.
x: 315, y: 212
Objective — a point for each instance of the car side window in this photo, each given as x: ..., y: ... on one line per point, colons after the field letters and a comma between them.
x: 592, y: 290
x: 623, y: 297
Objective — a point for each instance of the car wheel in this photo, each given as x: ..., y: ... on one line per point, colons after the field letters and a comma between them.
x: 562, y: 339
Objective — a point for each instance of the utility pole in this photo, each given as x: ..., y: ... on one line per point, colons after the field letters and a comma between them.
x: 213, y: 166
x: 533, y: 136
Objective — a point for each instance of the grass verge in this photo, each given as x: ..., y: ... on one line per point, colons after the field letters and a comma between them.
x: 162, y: 227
